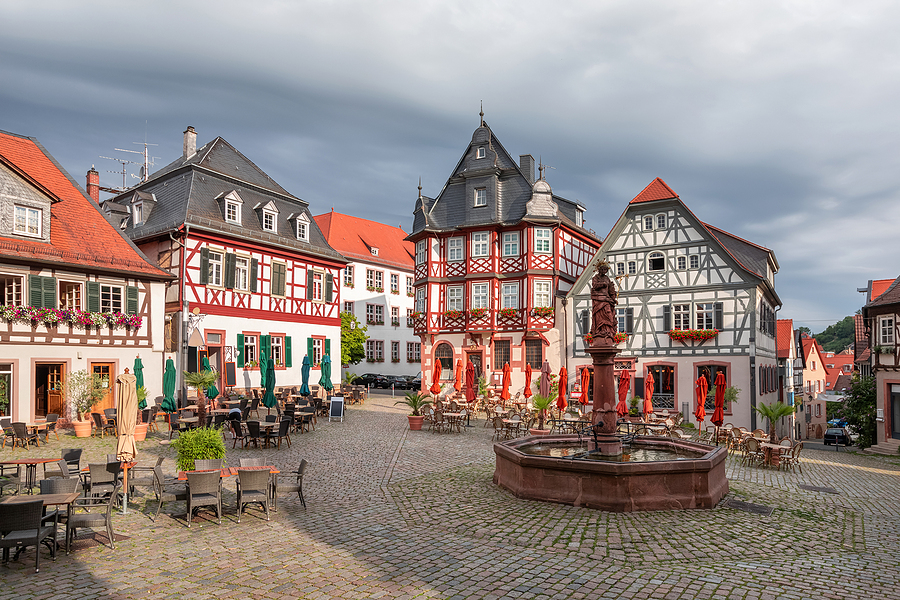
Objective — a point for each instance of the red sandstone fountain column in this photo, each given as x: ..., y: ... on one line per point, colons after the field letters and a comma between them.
x: 603, y: 352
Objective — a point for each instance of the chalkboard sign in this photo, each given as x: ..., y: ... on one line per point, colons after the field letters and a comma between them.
x: 230, y: 375
x: 336, y: 408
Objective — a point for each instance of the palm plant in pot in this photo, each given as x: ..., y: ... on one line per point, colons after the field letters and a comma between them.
x: 415, y: 401
x: 542, y: 405
x: 200, y: 381
x: 773, y: 412
x: 84, y: 389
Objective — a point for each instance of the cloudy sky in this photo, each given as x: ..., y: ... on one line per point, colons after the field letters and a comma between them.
x: 777, y: 121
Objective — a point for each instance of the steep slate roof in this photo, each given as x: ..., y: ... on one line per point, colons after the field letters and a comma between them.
x: 354, y: 238
x: 191, y: 191
x: 752, y: 257
x: 80, y: 235
x: 452, y: 208
x: 655, y: 190
x: 785, y: 336
x: 844, y: 381
x: 891, y: 295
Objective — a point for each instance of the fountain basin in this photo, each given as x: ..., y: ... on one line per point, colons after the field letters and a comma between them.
x: 695, y: 478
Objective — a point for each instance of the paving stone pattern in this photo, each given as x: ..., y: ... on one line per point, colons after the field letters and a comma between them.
x: 399, y: 514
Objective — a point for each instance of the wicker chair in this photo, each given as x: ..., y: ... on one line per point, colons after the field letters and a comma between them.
x: 52, y: 418
x: 58, y: 485
x: 11, y: 476
x: 144, y: 476
x: 237, y: 432
x: 280, y: 434
x: 101, y: 427
x: 8, y: 434
x: 252, y: 462
x: 252, y: 434
x: 207, y: 464
x: 97, y: 513
x: 167, y: 494
x: 283, y: 485
x: 21, y: 523
x: 792, y: 459
x: 253, y: 486
x: 23, y: 437
x: 104, y: 479
x: 752, y: 451
x: 204, y: 489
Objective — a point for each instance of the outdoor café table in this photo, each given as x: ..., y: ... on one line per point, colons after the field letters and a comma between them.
x: 35, y: 427
x: 190, y: 420
x: 189, y: 407
x: 454, y: 419
x: 223, y: 473
x: 773, y: 453
x: 220, y: 411
x: 30, y: 468
x: 49, y: 500
x: 267, y: 425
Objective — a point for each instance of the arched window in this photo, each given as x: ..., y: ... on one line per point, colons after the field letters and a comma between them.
x: 444, y: 353
x: 656, y: 262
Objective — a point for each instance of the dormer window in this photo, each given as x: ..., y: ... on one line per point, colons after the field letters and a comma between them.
x: 28, y: 221
x: 269, y: 221
x: 302, y: 224
x: 374, y: 251
x: 269, y: 216
x: 481, y: 197
x: 579, y: 218
x: 233, y: 204
x: 480, y: 153
x: 137, y: 214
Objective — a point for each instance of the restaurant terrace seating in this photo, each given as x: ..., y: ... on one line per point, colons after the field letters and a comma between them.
x: 22, y: 527
x: 23, y: 437
x: 204, y: 489
x: 253, y: 486
x: 100, y: 427
x: 283, y: 483
x: 94, y: 512
x: 167, y: 491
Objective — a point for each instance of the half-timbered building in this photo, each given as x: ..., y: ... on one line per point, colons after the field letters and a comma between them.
x: 882, y: 321
x: 492, y: 251
x: 693, y: 301
x: 811, y: 409
x: 77, y: 294
x: 255, y: 274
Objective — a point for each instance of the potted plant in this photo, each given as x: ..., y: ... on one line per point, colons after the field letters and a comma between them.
x: 85, y: 390
x: 202, y: 443
x: 416, y: 401
x: 542, y: 405
x: 200, y: 381
x: 773, y: 412
x: 140, y: 428
x: 633, y: 406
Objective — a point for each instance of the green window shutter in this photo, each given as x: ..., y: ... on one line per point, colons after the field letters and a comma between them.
x: 254, y: 273
x: 240, y: 350
x: 230, y: 267
x: 309, y: 349
x: 204, y: 266
x: 720, y: 317
x: 131, y: 300
x: 49, y: 292
x: 93, y: 296
x: 328, y: 287
x: 327, y: 351
x: 35, y: 291
x: 667, y: 317
x: 277, y: 287
x: 288, y: 362
x: 265, y: 345
x: 309, y: 285
x: 629, y: 320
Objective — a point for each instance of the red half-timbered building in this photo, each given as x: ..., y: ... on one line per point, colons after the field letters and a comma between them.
x: 494, y: 251
x: 256, y: 277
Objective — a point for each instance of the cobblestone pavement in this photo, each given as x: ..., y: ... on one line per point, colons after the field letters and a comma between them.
x: 399, y: 514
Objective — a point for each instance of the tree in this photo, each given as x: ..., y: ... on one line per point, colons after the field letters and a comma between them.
x: 859, y: 409
x: 836, y: 338
x: 773, y: 412
x: 353, y: 340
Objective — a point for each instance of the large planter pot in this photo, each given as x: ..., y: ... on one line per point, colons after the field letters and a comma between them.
x: 539, y: 432
x: 415, y: 423
x: 140, y: 432
x: 82, y: 428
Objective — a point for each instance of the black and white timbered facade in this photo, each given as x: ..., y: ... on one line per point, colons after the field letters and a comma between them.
x: 693, y: 300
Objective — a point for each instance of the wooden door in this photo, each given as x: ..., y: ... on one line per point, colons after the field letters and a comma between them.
x: 475, y: 359
x: 107, y: 376
x: 55, y: 394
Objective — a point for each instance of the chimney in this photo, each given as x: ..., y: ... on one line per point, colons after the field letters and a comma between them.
x: 526, y: 163
x: 190, y: 142
x: 93, y: 184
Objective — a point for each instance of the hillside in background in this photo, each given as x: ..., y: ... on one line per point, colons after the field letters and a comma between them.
x: 837, y: 337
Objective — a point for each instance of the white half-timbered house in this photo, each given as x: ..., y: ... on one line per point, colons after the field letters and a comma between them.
x: 76, y: 293
x: 492, y: 251
x: 255, y: 274
x: 693, y: 300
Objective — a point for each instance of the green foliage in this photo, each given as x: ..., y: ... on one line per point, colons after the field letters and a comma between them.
x: 482, y: 386
x: 349, y: 378
x: 353, y: 339
x: 4, y: 394
x: 201, y: 443
x: 416, y: 401
x: 84, y: 389
x: 542, y: 404
x: 141, y: 392
x: 732, y: 394
x: 859, y: 409
x: 773, y: 412
x: 837, y: 337
x: 200, y: 380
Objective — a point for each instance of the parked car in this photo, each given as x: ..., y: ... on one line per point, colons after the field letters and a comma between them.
x: 837, y: 423
x: 370, y: 380
x: 414, y: 382
x: 397, y: 381
x: 837, y: 435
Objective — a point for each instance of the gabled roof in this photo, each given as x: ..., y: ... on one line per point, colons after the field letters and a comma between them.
x: 751, y: 256
x: 354, y: 238
x: 843, y: 382
x: 80, y: 235
x: 785, y: 337
x: 808, y: 344
x: 655, y: 190
x: 891, y: 295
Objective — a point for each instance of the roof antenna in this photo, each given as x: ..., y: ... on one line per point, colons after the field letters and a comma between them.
x: 420, y: 186
x: 481, y: 114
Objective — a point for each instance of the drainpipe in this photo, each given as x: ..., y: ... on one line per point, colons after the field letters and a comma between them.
x: 182, y: 359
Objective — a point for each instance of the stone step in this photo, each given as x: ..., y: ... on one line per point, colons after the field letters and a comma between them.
x: 888, y: 447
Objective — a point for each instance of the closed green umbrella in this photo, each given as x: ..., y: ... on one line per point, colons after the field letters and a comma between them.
x: 263, y: 367
x: 325, y: 379
x: 304, y: 373
x: 212, y: 391
x: 168, y: 403
x: 139, y: 380
x: 269, y: 397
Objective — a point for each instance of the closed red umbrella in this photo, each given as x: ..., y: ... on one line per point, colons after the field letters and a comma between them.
x: 648, y: 395
x: 436, y: 378
x: 527, y: 393
x: 624, y: 383
x: 507, y: 381
x: 585, y: 384
x: 459, y: 382
x: 718, y: 416
x: 545, y: 379
x: 561, y: 403
x: 701, y: 389
x: 470, y: 382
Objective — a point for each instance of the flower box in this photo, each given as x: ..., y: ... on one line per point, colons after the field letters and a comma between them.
x: 477, y: 313
x: 395, y: 292
x: 82, y: 319
x: 395, y: 322
x: 410, y: 295
x: 621, y: 337
x: 508, y: 312
x: 543, y: 311
x: 395, y: 360
x: 588, y: 339
x: 453, y: 314
x: 349, y: 285
x: 697, y: 335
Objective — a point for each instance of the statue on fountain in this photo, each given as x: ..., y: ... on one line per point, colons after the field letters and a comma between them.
x: 603, y: 308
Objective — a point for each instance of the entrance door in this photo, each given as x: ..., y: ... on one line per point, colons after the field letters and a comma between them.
x: 475, y: 359
x: 48, y: 389
x: 895, y: 412
x: 105, y: 371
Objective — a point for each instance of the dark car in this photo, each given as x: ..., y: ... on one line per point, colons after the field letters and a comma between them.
x: 370, y: 380
x: 414, y: 382
x: 399, y: 382
x: 837, y: 436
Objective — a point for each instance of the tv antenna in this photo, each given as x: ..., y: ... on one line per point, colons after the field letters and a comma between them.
x: 144, y: 166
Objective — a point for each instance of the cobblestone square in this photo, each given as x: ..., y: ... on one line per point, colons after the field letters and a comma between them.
x: 398, y: 514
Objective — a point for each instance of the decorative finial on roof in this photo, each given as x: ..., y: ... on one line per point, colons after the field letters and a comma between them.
x: 481, y: 114
x: 540, y: 168
x: 420, y: 186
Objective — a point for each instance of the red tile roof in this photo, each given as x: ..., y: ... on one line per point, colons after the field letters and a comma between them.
x: 657, y: 190
x: 785, y: 336
x: 880, y: 286
x: 807, y: 343
x: 79, y: 233
x: 354, y: 238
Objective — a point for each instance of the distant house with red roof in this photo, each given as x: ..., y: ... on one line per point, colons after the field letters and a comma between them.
x: 377, y: 288
x: 693, y: 301
x: 815, y: 385
x: 837, y: 364
x: 77, y: 294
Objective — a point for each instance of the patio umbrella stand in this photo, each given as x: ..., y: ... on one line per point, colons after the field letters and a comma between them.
x: 126, y: 419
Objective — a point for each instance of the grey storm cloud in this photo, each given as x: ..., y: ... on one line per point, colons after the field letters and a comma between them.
x: 773, y: 120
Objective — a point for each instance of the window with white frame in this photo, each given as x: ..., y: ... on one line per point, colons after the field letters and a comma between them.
x: 348, y: 276
x: 511, y: 243
x: 269, y: 221
x: 12, y: 290
x: 648, y: 223
x: 579, y: 218
x: 479, y: 295
x: 214, y: 268
x: 455, y: 297
x: 374, y: 251
x: 110, y: 298
x: 681, y: 316
x: 318, y: 281
x: 395, y: 351
x: 28, y: 221
x: 137, y: 213
x: 455, y: 249
x: 542, y: 293
x: 706, y: 313
x: 232, y: 212
x: 620, y: 268
x: 660, y: 221
x: 395, y: 316
x: 277, y: 350
x: 480, y: 152
x: 510, y: 295
x: 379, y: 280
x: 395, y: 283
x: 348, y: 307
x: 249, y: 349
x: 656, y: 261
x: 302, y: 230
x: 409, y: 317
x: 480, y: 197
x: 421, y: 246
x: 241, y: 273
x: 695, y: 261
x: 682, y: 263
x: 632, y: 267
x: 374, y: 314
x: 317, y: 344
x: 413, y: 351
x: 622, y: 320
x: 542, y: 243
x: 480, y: 244
x: 409, y: 286
x: 886, y: 330
x: 420, y: 300
x: 379, y: 350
